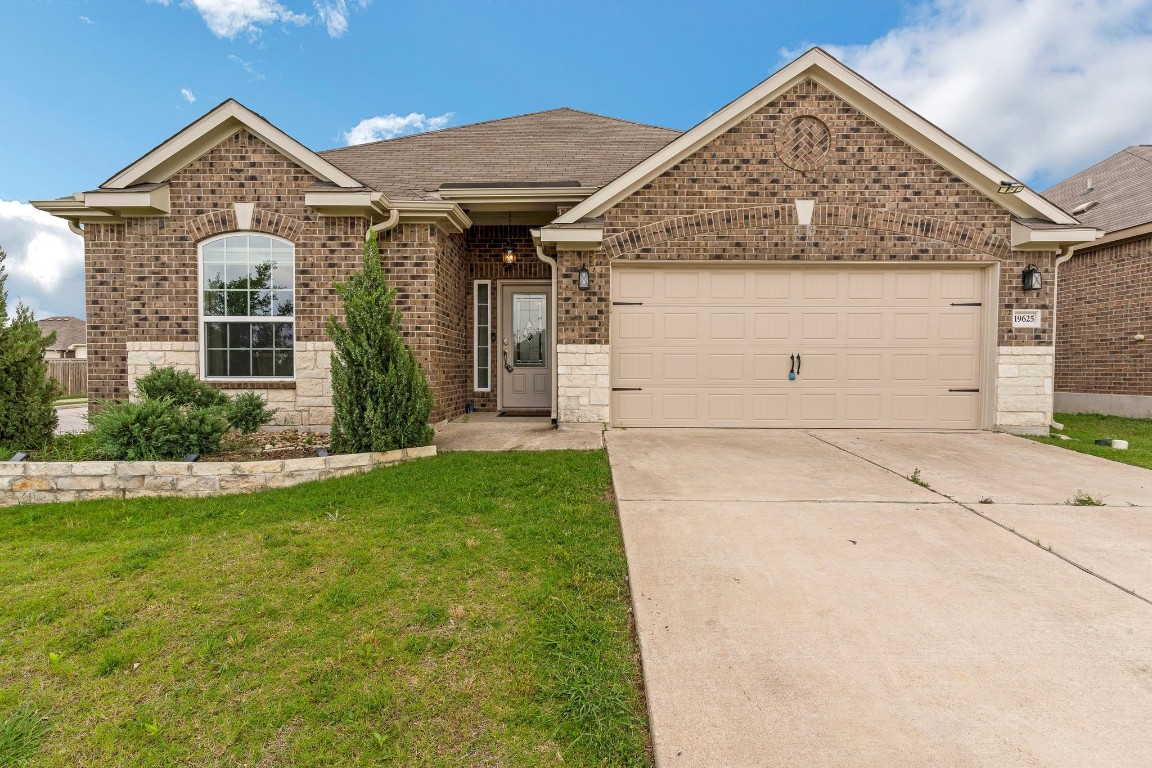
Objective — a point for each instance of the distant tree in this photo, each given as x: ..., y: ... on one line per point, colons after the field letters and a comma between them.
x: 27, y: 415
x: 380, y: 397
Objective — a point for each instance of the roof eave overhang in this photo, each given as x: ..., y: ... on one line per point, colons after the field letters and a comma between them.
x: 128, y: 203
x: 1025, y: 238
x: 498, y: 199
x: 861, y: 94
x: 1117, y: 236
x: 587, y: 238
x: 74, y: 210
x: 448, y: 216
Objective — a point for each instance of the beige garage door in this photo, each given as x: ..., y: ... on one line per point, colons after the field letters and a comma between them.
x: 872, y: 346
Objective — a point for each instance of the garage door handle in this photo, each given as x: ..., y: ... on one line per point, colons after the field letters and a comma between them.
x: 627, y: 389
x: 627, y: 303
x: 966, y: 304
x: 974, y: 389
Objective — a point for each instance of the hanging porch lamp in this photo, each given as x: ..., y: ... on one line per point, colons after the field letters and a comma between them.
x: 508, y: 256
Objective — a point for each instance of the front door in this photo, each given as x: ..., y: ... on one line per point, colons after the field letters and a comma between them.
x: 525, y: 347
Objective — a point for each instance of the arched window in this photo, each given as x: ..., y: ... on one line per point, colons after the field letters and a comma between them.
x: 247, y: 307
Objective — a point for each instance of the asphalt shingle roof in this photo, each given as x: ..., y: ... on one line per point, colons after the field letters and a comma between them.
x: 1121, y: 187
x: 560, y: 145
x: 69, y: 331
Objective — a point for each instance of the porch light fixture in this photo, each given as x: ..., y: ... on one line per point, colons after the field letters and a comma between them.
x: 1031, y: 278
x: 509, y: 254
x: 583, y: 278
x: 1010, y: 187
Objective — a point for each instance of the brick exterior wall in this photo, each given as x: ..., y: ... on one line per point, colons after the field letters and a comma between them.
x: 1105, y: 298
x: 877, y: 199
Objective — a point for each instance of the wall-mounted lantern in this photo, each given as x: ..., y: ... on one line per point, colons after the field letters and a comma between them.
x: 583, y: 278
x: 1031, y: 278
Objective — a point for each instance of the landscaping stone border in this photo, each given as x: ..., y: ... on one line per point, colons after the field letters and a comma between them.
x: 37, y: 482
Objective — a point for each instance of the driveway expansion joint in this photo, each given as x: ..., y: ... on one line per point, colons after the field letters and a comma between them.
x: 963, y: 505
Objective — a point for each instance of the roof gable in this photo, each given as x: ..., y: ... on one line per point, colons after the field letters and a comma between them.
x: 859, y: 93
x: 202, y: 135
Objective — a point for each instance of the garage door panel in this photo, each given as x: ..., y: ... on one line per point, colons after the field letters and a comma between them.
x: 880, y: 347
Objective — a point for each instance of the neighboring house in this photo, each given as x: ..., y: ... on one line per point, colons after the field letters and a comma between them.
x: 597, y: 269
x: 71, y: 337
x: 1104, y: 337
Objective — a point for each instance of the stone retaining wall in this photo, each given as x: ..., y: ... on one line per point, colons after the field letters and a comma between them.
x: 35, y: 482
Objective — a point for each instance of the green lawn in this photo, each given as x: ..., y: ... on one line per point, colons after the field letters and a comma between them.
x: 1085, y: 428
x: 467, y: 610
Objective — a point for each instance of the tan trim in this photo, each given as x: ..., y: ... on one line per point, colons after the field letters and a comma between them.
x: 1024, y: 238
x: 339, y: 202
x: 504, y: 195
x: 376, y: 206
x: 75, y: 211
x: 572, y: 238
x: 1119, y: 236
x: 863, y: 95
x: 156, y: 202
x: 205, y: 133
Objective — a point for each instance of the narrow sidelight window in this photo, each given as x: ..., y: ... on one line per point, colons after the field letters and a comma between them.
x: 482, y: 301
x: 248, y: 307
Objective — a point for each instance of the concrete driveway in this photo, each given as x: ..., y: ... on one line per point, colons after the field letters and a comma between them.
x: 799, y: 602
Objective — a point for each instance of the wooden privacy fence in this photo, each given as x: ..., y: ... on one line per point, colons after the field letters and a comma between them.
x: 72, y: 375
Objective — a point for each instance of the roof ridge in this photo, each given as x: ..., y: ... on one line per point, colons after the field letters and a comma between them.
x: 494, y: 120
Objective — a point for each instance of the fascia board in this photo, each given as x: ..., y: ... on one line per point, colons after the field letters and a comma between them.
x: 1025, y: 238
x: 864, y: 96
x: 521, y: 195
x: 572, y: 238
x: 205, y: 133
x: 156, y: 202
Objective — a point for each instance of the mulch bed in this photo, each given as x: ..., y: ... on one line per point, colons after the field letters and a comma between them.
x: 269, y: 446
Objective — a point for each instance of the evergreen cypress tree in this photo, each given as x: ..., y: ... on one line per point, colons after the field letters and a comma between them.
x: 380, y: 397
x: 27, y: 417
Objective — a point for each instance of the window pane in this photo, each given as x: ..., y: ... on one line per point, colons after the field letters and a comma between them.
x: 237, y: 274
x: 260, y: 274
x: 285, y: 335
x: 283, y: 362
x: 282, y: 273
x: 217, y: 362
x: 529, y: 328
x: 260, y: 303
x: 262, y: 363
x: 237, y: 304
x: 213, y: 303
x: 262, y: 335
x: 239, y: 335
x: 217, y: 335
x: 283, y: 306
x: 215, y: 250
x: 214, y: 276
x: 240, y: 362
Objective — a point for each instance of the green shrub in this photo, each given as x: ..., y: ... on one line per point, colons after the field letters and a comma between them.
x: 380, y: 398
x: 27, y: 395
x: 150, y: 430
x: 180, y: 387
x: 247, y: 412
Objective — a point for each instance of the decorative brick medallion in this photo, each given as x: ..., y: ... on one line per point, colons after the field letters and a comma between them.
x: 803, y: 142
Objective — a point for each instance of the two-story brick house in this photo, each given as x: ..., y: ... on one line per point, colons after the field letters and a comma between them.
x: 813, y: 254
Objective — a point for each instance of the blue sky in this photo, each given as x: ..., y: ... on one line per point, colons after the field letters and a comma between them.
x: 1042, y: 87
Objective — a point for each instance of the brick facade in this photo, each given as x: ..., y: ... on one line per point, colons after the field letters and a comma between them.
x: 1104, y: 302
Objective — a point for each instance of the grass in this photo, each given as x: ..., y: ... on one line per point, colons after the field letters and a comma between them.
x: 1084, y: 428
x: 1082, y: 499
x: 466, y: 610
x: 918, y: 480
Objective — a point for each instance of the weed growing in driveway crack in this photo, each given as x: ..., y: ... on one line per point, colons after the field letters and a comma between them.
x: 915, y: 477
x: 1082, y: 499
x: 986, y: 500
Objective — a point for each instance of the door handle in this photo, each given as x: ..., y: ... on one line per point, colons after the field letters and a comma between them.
x: 798, y: 363
x: 792, y: 367
x: 507, y: 365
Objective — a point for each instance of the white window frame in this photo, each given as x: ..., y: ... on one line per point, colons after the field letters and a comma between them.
x: 476, y: 335
x: 202, y: 333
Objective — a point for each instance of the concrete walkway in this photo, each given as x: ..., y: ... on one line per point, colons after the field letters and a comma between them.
x: 72, y: 418
x: 489, y: 432
x: 800, y: 603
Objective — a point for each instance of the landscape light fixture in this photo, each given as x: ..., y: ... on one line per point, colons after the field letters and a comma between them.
x: 19, y: 456
x: 583, y: 278
x: 1030, y: 278
x: 1010, y: 187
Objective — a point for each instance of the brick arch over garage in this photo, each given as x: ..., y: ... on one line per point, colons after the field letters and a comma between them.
x: 224, y: 220
x: 824, y: 218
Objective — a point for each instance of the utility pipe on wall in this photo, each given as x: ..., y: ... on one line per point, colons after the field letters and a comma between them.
x: 555, y: 353
x: 1065, y: 254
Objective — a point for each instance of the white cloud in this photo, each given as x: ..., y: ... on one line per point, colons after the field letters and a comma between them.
x: 253, y: 74
x: 45, y: 263
x: 1042, y: 88
x: 334, y: 15
x: 86, y: 20
x: 228, y: 18
x: 188, y: 95
x: 392, y: 125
